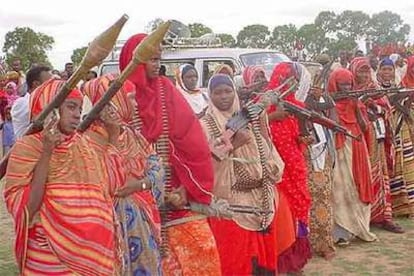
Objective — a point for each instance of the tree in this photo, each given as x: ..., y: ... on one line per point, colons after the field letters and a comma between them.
x: 253, y: 36
x: 78, y: 54
x: 313, y: 38
x: 27, y: 45
x: 353, y: 24
x: 284, y: 38
x: 227, y: 40
x: 388, y: 27
x: 198, y: 29
x: 153, y: 24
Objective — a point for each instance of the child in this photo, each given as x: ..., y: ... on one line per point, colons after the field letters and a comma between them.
x: 8, y: 132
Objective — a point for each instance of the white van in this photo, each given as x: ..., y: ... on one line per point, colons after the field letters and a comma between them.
x: 206, y: 60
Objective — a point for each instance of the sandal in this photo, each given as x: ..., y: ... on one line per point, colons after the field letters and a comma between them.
x: 392, y: 227
x: 342, y: 242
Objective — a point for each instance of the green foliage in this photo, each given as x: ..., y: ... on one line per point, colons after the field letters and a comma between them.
x: 254, y: 36
x: 28, y: 45
x: 284, y: 37
x: 227, y: 40
x: 78, y: 54
x: 387, y: 27
x: 198, y: 29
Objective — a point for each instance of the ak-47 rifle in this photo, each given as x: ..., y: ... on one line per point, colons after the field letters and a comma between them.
x: 317, y: 118
x: 142, y: 53
x: 241, y: 119
x: 97, y: 51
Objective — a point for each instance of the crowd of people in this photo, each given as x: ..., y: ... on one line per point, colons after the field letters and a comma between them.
x: 171, y: 179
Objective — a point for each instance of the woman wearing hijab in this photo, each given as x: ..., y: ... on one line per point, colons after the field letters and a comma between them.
x: 321, y: 158
x: 403, y: 180
x: 247, y: 243
x: 11, y: 93
x: 288, y: 141
x: 381, y: 213
x: 254, y: 80
x: 135, y: 177
x: 54, y: 190
x: 352, y: 182
x: 187, y: 78
x: 166, y: 120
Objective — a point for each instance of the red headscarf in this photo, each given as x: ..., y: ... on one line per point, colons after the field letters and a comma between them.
x: 45, y: 93
x: 356, y: 64
x: 285, y: 134
x: 190, y: 156
x: 250, y: 72
x: 408, y: 80
x: 346, y: 110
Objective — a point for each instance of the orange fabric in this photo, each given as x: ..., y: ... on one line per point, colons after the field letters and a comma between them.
x: 285, y: 226
x: 45, y: 93
x: 192, y: 250
x: 76, y: 213
x: 96, y: 88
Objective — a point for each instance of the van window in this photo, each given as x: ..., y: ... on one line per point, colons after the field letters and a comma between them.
x: 268, y: 60
x: 109, y: 69
x: 172, y: 66
x: 209, y: 66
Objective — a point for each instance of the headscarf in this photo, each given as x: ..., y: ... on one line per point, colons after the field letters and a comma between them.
x: 224, y: 69
x: 45, y: 93
x: 250, y: 72
x: 285, y: 134
x: 179, y: 76
x: 246, y: 156
x: 356, y: 64
x: 190, y: 156
x: 96, y: 88
x: 385, y: 62
x: 11, y: 98
x: 408, y: 79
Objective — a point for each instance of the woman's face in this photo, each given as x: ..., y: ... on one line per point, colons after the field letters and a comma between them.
x: 9, y: 90
x: 344, y: 86
x: 70, y: 115
x: 222, y: 97
x: 260, y: 77
x: 387, y: 72
x: 363, y: 74
x: 190, y: 79
x: 152, y: 67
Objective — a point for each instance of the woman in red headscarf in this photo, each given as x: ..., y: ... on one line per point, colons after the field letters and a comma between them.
x: 378, y: 114
x: 167, y: 120
x: 64, y: 219
x: 135, y: 176
x: 352, y: 191
x: 403, y: 180
x: 287, y: 139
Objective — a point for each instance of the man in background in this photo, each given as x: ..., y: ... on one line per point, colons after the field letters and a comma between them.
x: 20, y: 109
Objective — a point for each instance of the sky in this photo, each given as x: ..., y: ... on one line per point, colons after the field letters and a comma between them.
x: 75, y: 23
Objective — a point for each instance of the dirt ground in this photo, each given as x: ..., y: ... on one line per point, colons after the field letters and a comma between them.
x: 392, y: 255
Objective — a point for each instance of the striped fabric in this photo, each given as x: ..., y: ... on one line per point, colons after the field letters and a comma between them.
x: 381, y: 210
x: 76, y: 216
x: 73, y: 232
x: 133, y: 157
x: 402, y: 184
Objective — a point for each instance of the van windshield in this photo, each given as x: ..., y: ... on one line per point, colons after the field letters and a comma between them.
x: 268, y: 60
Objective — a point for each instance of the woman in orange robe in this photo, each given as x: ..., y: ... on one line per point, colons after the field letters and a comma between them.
x: 64, y: 219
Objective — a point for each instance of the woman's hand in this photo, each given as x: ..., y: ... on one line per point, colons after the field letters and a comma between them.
x: 177, y: 198
x: 241, y: 138
x: 51, y: 136
x: 132, y: 185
